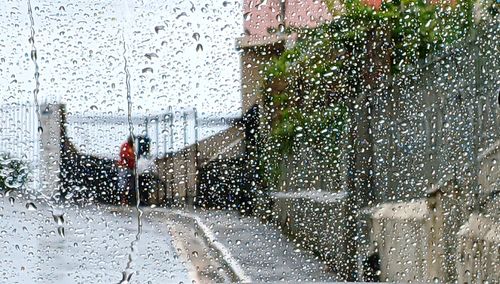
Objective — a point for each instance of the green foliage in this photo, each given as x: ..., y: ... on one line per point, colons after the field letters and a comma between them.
x: 13, y: 173
x: 320, y: 130
x: 306, y: 84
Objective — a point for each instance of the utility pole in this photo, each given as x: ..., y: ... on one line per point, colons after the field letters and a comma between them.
x: 157, y: 136
x: 164, y: 136
x: 196, y: 162
x: 185, y: 151
x: 172, y: 174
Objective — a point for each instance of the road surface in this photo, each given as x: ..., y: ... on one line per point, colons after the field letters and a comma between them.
x: 43, y: 243
x: 87, y: 245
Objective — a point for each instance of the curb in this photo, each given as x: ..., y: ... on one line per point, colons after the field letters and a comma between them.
x: 225, y: 255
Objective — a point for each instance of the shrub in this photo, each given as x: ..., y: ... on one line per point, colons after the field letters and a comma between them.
x: 13, y: 173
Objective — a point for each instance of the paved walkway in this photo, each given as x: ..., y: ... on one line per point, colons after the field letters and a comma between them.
x: 262, y: 252
x: 93, y: 248
x: 175, y: 246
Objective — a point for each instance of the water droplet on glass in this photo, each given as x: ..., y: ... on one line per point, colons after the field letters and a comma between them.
x: 199, y: 47
x: 150, y: 55
x: 147, y: 69
x: 58, y: 218
x: 281, y: 28
x: 247, y: 16
x: 40, y: 130
x: 60, y: 230
x: 196, y: 36
x: 159, y: 28
x: 33, y: 55
x: 11, y: 200
x: 126, y: 276
x: 181, y: 14
x: 30, y: 206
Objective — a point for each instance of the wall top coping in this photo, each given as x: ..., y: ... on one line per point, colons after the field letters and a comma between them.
x: 481, y: 227
x: 416, y: 210
x: 315, y: 196
x: 490, y: 151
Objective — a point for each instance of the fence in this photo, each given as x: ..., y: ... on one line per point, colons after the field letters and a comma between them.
x: 19, y: 135
x: 430, y: 129
x: 433, y: 122
x: 168, y: 132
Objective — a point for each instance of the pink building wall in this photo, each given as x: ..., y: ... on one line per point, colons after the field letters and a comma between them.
x: 262, y: 16
x: 306, y: 13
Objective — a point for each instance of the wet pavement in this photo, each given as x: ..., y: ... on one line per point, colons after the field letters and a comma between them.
x: 261, y: 251
x: 87, y: 245
x: 92, y: 244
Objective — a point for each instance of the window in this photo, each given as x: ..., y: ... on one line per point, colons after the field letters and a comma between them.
x: 249, y: 141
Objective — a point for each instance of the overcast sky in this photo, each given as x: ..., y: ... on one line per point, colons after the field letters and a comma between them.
x: 80, y: 54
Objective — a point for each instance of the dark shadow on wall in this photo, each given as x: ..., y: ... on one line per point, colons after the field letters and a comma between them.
x: 233, y: 182
x: 224, y: 182
x: 87, y: 178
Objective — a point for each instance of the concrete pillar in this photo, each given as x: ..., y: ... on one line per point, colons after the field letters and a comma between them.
x: 253, y: 58
x: 50, y: 156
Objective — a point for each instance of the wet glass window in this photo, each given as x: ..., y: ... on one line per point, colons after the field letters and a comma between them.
x: 147, y: 141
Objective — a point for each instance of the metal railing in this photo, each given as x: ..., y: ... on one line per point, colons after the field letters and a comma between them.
x: 19, y: 137
x: 168, y: 132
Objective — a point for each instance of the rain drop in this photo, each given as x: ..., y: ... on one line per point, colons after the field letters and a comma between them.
x: 58, y: 218
x: 151, y: 55
x: 60, y: 230
x: 126, y: 276
x: 33, y: 55
x: 159, y: 28
x: 181, y: 14
x: 247, y: 16
x: 281, y: 28
x: 147, y: 69
x: 30, y: 206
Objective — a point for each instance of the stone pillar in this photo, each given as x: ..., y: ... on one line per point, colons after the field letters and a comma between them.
x: 50, y: 156
x: 254, y: 55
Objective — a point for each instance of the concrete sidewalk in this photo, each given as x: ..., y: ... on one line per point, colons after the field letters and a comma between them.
x: 91, y: 244
x: 259, y: 251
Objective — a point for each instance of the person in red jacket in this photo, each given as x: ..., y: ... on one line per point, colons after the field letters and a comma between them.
x: 126, y: 163
x: 127, y: 154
